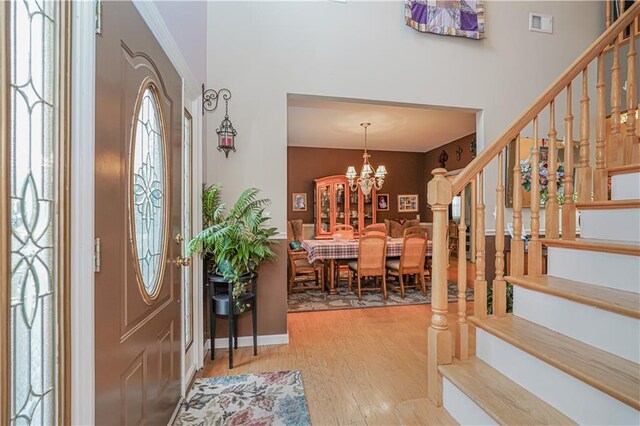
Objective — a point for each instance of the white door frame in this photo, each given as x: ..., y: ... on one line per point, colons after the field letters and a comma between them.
x: 82, y: 198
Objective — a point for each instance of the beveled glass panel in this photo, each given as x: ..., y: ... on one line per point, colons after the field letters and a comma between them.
x: 341, y: 204
x: 34, y: 114
x: 325, y: 208
x: 148, y: 211
x: 186, y: 206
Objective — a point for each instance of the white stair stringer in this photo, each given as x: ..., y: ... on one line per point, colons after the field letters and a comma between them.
x: 625, y: 186
x: 611, y: 332
x: 612, y: 270
x: 611, y: 224
x: 462, y: 408
x: 574, y: 398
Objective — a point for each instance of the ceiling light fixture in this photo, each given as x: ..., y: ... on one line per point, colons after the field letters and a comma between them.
x: 366, y: 182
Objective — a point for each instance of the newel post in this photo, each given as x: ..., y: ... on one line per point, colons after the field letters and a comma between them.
x: 439, y: 195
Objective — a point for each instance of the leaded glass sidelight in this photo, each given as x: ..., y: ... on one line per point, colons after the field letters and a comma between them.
x: 186, y: 220
x: 35, y: 61
x: 148, y: 209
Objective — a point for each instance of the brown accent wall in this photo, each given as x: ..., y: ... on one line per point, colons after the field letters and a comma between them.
x: 406, y: 171
x: 431, y: 162
x: 272, y: 300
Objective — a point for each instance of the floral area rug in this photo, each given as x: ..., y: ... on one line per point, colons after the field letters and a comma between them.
x: 263, y: 399
x: 315, y: 300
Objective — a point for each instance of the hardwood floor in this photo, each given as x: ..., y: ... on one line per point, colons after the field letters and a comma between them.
x: 357, y: 365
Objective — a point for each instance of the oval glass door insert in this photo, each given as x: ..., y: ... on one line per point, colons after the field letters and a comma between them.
x: 148, y: 194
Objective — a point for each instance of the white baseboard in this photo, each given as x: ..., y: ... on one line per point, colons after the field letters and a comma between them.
x: 244, y: 341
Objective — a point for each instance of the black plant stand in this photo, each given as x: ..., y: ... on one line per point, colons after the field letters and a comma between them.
x: 224, y: 304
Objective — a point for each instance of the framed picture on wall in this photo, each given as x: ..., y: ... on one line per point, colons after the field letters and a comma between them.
x: 299, y: 201
x: 407, y: 203
x: 382, y: 202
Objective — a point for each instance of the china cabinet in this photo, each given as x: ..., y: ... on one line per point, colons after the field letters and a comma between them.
x: 335, y: 204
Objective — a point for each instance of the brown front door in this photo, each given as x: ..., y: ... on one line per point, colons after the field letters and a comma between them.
x: 138, y: 216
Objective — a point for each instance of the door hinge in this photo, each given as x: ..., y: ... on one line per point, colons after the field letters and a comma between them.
x: 99, y: 17
x: 96, y: 255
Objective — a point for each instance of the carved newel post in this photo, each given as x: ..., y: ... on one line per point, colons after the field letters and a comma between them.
x: 439, y: 196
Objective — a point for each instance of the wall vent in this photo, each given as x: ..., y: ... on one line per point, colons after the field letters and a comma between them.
x: 540, y: 23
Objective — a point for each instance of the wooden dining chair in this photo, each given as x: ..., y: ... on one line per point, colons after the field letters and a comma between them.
x: 423, y: 230
x: 411, y: 262
x: 300, y: 269
x: 375, y: 228
x: 346, y: 230
x: 372, y: 252
x: 416, y: 230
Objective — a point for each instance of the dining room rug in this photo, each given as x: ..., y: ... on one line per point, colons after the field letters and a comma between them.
x: 262, y: 399
x: 315, y: 300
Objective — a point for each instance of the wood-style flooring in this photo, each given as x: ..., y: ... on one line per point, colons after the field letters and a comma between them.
x: 359, y: 366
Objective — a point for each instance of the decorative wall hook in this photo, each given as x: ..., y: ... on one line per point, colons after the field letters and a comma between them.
x: 226, y: 132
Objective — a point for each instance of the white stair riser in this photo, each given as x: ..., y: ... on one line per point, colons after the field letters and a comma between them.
x: 618, y: 224
x: 610, y: 270
x: 625, y: 186
x: 616, y: 334
x: 576, y: 399
x: 462, y: 408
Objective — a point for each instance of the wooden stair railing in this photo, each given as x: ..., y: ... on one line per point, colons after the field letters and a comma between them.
x: 620, y: 148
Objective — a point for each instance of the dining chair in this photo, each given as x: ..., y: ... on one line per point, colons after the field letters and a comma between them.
x: 343, y: 232
x: 375, y: 228
x: 300, y: 269
x: 411, y: 262
x: 416, y: 230
x: 372, y: 252
x: 424, y: 231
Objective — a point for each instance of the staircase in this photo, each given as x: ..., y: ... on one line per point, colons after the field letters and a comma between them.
x: 570, y: 350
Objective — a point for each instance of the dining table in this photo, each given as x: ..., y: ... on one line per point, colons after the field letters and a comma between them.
x: 330, y: 250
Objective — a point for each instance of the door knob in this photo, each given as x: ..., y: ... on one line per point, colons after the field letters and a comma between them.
x: 183, y: 261
x: 179, y: 239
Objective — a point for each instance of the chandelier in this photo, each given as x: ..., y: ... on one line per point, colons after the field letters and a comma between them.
x: 366, y: 181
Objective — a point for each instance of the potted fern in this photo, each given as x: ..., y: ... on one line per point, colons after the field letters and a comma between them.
x: 236, y: 242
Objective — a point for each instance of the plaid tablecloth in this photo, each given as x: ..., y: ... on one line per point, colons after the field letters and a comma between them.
x: 329, y: 249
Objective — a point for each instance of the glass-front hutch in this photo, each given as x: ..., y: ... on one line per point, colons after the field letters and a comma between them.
x: 336, y: 204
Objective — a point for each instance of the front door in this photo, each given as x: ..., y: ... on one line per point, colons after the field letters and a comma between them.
x: 138, y: 217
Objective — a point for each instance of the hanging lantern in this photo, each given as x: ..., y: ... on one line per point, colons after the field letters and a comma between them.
x: 226, y: 132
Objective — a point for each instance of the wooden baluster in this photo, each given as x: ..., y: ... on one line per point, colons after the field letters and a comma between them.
x: 607, y: 12
x: 517, y: 245
x: 462, y: 341
x: 615, y: 153
x: 499, y: 284
x: 439, y: 338
x: 621, y: 9
x: 480, y: 283
x: 551, y: 211
x: 569, y: 207
x: 600, y: 175
x: 631, y: 154
x: 535, y: 245
x: 583, y: 169
x: 474, y: 219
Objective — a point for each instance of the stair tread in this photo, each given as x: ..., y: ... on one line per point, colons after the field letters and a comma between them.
x: 620, y: 170
x: 611, y: 374
x: 591, y: 244
x: 621, y: 302
x: 422, y: 411
x: 609, y: 205
x: 501, y: 398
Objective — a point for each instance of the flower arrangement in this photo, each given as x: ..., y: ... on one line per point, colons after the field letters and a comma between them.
x: 527, y: 170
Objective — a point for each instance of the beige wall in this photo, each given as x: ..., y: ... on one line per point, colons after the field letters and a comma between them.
x: 262, y: 51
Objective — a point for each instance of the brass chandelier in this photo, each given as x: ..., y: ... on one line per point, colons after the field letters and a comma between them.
x: 366, y: 181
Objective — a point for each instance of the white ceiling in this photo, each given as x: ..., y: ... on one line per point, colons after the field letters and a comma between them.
x: 315, y: 121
